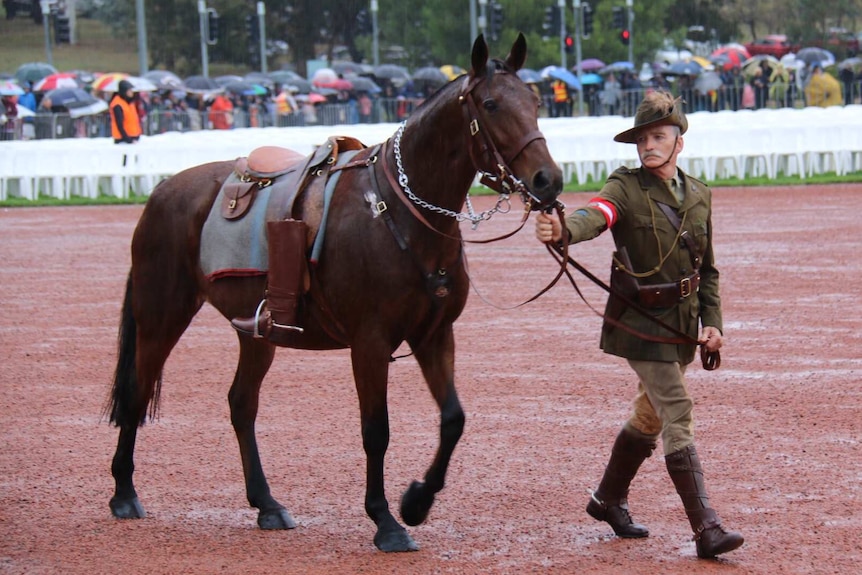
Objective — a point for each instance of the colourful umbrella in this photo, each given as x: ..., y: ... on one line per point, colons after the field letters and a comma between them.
x: 590, y: 65
x: 58, y: 80
x: 729, y: 56
x: 452, y: 71
x: 10, y: 88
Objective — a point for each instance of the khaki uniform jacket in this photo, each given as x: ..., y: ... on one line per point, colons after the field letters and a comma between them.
x: 644, y: 230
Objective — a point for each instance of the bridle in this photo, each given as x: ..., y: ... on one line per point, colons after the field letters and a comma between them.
x: 487, y: 160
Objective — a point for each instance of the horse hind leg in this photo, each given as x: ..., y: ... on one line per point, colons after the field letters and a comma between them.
x: 436, y: 358
x: 255, y: 358
x: 142, y: 352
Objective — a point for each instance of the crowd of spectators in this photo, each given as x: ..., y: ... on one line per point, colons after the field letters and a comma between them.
x: 618, y: 93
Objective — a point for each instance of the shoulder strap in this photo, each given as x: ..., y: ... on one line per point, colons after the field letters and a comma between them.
x: 674, y: 220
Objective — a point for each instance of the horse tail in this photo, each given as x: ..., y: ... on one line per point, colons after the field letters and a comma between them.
x: 123, y: 409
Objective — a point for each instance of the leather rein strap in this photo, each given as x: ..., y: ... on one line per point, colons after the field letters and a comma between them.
x: 711, y: 360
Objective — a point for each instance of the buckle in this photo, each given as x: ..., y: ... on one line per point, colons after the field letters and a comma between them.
x: 685, y: 287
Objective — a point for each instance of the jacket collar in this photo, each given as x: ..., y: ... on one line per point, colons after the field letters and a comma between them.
x: 657, y: 191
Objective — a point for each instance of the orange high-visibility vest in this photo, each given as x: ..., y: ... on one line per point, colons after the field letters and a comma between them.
x: 131, y: 122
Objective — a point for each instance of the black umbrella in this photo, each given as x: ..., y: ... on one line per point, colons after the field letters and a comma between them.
x: 77, y: 101
x: 363, y: 84
x: 201, y: 84
x: 430, y: 75
x: 290, y: 80
x: 165, y: 80
x: 683, y: 68
x: 260, y: 79
x: 398, y: 75
x: 33, y: 72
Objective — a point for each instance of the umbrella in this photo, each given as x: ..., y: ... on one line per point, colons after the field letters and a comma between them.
x: 452, y: 71
x: 323, y: 76
x: 816, y: 56
x: 364, y: 84
x: 561, y: 74
x: 165, y: 80
x: 260, y: 79
x: 227, y: 79
x: 244, y: 88
x: 108, y: 82
x: 33, y: 72
x: 759, y: 61
x: 591, y: 78
x: 854, y: 63
x: 338, y: 84
x: 58, y: 80
x: 708, y: 81
x: 311, y: 97
x: 823, y: 90
x: 24, y: 111
x: 430, y: 75
x: 289, y: 78
x: 683, y: 68
x: 78, y: 101
x: 345, y: 67
x: 398, y: 75
x: 616, y: 67
x: 201, y: 85
x: 590, y: 65
x: 530, y: 76
x: 704, y: 63
x: 10, y: 88
x: 730, y: 56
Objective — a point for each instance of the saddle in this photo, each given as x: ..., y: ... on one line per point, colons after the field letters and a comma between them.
x: 289, y: 174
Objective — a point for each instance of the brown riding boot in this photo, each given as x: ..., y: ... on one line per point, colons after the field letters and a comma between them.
x: 276, y: 315
x: 609, y: 502
x: 710, y: 537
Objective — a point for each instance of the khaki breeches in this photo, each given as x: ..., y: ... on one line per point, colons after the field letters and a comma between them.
x: 662, y: 404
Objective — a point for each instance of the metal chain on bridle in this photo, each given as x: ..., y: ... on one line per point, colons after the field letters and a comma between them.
x: 503, y: 204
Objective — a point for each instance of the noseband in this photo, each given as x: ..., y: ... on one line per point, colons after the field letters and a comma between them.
x: 484, y: 153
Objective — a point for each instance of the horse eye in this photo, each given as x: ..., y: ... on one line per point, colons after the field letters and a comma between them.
x: 490, y: 105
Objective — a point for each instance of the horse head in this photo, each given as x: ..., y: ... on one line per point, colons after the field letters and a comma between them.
x: 506, y: 145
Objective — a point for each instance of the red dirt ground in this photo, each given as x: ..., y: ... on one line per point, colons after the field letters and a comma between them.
x: 778, y: 425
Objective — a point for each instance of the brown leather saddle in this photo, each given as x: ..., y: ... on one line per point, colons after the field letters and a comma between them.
x: 289, y: 174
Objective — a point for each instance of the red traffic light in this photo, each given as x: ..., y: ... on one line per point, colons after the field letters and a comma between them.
x: 625, y: 36
x: 569, y: 43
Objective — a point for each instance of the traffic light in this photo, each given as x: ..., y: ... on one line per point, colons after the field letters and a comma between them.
x: 495, y: 27
x: 588, y: 19
x: 551, y: 25
x: 570, y: 44
x: 619, y: 18
x: 212, y: 27
x: 364, y: 25
x: 62, y: 29
x: 253, y: 32
x: 625, y: 36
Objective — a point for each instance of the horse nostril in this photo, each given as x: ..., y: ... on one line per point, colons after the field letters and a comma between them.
x: 545, y: 180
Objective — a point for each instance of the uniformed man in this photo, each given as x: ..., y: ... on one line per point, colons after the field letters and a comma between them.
x: 661, y: 223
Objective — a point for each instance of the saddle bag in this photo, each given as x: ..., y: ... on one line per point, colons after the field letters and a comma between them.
x: 237, y: 199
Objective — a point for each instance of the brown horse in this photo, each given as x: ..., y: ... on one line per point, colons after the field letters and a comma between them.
x: 378, y: 281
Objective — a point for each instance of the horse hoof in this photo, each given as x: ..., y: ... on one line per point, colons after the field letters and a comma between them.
x: 275, y: 519
x: 416, y: 503
x: 397, y: 541
x: 127, y: 508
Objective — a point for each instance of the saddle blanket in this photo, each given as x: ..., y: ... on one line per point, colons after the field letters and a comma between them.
x: 236, y: 248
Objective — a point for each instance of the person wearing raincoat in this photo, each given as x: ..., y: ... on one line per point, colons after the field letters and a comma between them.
x: 822, y: 90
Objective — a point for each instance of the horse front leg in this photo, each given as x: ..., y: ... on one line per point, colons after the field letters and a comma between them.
x: 436, y: 358
x: 255, y: 358
x: 371, y: 373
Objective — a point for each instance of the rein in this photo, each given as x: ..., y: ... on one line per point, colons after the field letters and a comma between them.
x: 711, y: 360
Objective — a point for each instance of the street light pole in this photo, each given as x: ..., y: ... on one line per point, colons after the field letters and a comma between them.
x: 45, y: 5
x: 140, y: 16
x: 205, y: 56
x: 562, y: 5
x: 473, y: 29
x: 483, y: 16
x: 375, y: 33
x: 261, y: 12
x: 631, y: 15
x: 578, y: 24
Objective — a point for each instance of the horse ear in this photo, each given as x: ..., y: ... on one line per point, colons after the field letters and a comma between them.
x: 518, y: 55
x: 479, y: 59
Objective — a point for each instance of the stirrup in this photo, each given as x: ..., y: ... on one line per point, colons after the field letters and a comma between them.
x: 257, y: 334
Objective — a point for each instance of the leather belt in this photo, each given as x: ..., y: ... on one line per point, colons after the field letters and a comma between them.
x: 669, y: 294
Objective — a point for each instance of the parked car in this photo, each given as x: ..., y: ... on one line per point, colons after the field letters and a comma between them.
x: 773, y: 45
x: 668, y: 54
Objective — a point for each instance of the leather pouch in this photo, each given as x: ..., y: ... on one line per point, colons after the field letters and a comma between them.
x: 237, y: 199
